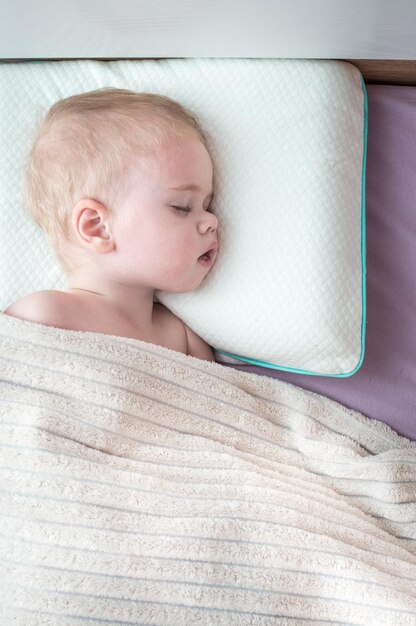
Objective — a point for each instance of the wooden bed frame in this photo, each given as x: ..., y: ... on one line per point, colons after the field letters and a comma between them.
x: 386, y: 72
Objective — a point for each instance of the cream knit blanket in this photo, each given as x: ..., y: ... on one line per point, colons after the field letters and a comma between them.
x: 143, y: 486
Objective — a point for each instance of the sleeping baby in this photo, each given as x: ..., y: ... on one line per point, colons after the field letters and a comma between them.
x: 121, y: 184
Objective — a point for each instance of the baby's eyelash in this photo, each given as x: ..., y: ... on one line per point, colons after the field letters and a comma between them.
x: 181, y: 208
x: 187, y: 209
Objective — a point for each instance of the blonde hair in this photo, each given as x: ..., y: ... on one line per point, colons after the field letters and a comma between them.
x: 85, y: 147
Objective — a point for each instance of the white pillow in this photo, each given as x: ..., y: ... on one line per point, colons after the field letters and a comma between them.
x: 288, y: 141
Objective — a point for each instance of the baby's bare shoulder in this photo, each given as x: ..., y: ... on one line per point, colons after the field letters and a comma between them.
x: 171, y: 329
x: 43, y: 307
x: 192, y: 344
x: 167, y: 320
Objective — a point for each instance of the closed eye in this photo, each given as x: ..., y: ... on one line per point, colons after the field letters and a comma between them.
x: 188, y: 209
x: 181, y: 208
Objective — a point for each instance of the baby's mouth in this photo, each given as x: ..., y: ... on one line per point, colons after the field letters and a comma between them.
x: 208, y: 257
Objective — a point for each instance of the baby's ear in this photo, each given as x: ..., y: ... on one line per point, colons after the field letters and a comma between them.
x: 91, y: 225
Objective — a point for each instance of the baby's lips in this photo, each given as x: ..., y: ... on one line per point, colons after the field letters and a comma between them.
x: 213, y: 246
x: 212, y: 250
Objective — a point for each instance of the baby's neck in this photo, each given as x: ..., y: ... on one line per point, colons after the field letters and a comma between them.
x: 134, y: 304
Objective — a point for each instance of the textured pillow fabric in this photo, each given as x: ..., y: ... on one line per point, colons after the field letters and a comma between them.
x: 288, y: 289
x: 287, y: 138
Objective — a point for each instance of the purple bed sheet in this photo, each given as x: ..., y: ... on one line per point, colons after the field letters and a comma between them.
x: 384, y: 387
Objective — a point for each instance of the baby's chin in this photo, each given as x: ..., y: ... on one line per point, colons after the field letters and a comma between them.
x: 202, y: 281
x: 188, y: 288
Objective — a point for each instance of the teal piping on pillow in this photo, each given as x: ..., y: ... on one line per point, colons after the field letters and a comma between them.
x: 363, y: 276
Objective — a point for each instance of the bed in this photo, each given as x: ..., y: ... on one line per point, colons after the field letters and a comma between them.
x: 142, y: 486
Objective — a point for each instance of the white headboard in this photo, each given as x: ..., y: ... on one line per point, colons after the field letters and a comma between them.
x: 320, y: 29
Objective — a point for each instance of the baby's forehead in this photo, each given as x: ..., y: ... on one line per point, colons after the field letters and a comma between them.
x: 156, y: 160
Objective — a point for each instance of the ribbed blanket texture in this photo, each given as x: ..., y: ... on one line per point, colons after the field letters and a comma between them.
x: 143, y: 486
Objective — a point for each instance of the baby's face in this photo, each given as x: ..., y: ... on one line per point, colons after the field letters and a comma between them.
x: 164, y: 226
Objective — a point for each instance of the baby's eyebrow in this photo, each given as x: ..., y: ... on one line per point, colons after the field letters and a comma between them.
x: 190, y: 187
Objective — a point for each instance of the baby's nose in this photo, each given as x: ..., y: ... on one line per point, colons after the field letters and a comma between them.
x: 209, y: 223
